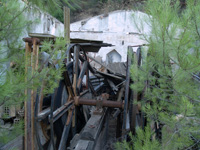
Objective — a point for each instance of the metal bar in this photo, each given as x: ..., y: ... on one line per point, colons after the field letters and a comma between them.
x: 66, y: 130
x: 61, y: 111
x: 93, y: 102
x: 120, y: 94
x: 43, y: 114
x: 130, y: 52
x: 99, y: 87
x: 68, y: 52
x: 112, y: 85
x: 84, y: 92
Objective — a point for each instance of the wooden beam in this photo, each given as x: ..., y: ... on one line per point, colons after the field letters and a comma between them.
x: 27, y: 113
x: 67, y: 23
x: 31, y: 65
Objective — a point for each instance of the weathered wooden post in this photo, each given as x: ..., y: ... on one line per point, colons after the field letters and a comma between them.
x: 31, y: 65
x: 67, y: 23
x: 27, y: 102
x: 67, y: 28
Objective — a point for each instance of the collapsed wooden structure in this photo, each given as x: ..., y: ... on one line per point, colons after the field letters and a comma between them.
x: 74, y: 115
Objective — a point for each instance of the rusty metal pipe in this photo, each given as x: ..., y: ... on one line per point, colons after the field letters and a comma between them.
x: 102, y: 103
x: 113, y: 104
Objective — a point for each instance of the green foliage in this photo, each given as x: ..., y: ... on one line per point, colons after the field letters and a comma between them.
x: 55, y: 7
x: 12, y: 133
x: 170, y: 66
x: 142, y: 141
x: 13, y: 24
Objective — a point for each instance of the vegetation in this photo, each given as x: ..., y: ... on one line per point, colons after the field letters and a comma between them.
x: 171, y: 70
x: 85, y: 9
x: 13, y: 23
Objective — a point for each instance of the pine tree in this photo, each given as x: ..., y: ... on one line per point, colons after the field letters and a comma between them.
x: 13, y: 22
x: 171, y: 69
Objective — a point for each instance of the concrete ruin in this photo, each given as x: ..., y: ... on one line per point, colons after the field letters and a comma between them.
x: 119, y: 28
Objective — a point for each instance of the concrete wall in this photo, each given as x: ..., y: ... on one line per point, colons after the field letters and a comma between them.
x: 43, y: 23
x: 118, y: 28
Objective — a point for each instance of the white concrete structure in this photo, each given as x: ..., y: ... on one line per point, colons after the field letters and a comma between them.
x: 44, y: 23
x: 119, y: 28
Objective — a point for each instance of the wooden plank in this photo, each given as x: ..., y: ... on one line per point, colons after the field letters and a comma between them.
x: 90, y: 133
x: 110, y: 75
x: 34, y: 65
x: 27, y: 114
x: 75, y: 66
x: 67, y: 23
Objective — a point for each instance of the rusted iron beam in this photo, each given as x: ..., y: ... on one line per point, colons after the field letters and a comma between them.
x: 102, y: 103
